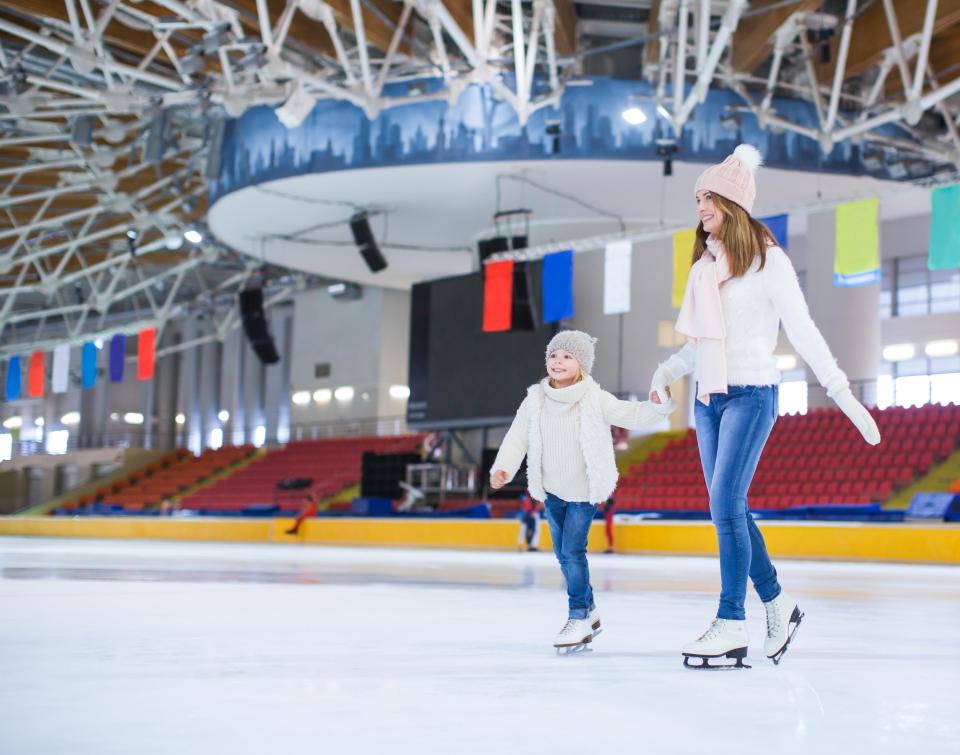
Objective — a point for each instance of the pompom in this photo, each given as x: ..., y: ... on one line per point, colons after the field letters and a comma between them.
x: 750, y: 156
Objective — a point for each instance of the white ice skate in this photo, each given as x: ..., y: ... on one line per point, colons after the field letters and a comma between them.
x: 783, y: 620
x: 574, y: 637
x: 594, y: 619
x: 726, y: 638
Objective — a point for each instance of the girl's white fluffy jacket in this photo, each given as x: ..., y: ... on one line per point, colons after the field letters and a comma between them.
x: 571, y: 439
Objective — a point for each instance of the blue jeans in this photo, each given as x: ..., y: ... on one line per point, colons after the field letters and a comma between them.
x: 731, y: 433
x: 569, y: 529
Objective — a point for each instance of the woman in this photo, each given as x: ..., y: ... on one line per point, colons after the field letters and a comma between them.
x: 741, y: 287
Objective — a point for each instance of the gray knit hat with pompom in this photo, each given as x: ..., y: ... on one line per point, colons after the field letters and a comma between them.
x: 578, y: 343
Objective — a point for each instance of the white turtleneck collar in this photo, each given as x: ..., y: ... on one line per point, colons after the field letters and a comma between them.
x: 569, y: 395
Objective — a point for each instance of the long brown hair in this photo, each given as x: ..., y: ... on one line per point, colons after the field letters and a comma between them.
x: 743, y: 237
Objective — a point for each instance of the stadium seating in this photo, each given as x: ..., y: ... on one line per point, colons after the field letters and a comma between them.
x: 333, y: 464
x: 817, y: 458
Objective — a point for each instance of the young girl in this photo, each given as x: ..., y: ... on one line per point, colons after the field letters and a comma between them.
x: 741, y: 287
x: 563, y: 427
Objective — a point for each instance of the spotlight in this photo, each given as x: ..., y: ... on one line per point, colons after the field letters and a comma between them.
x: 634, y: 116
x: 896, y: 169
x: 193, y: 236
x: 873, y: 160
x: 132, y: 242
x: 667, y: 148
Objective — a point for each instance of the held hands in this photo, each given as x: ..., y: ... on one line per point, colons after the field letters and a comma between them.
x: 663, y: 406
x: 660, y: 385
x: 498, y: 478
x: 858, y: 415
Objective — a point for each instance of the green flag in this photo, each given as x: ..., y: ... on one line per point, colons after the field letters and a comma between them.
x: 857, y: 258
x: 944, y: 228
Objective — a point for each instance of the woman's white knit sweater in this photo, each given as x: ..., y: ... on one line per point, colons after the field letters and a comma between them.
x: 564, y: 465
x: 753, y: 307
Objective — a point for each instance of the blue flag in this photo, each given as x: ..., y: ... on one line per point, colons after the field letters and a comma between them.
x: 13, y: 379
x: 778, y: 226
x: 558, y: 286
x: 88, y: 364
x: 118, y: 353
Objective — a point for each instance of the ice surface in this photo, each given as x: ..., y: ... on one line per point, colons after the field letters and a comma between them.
x: 144, y: 648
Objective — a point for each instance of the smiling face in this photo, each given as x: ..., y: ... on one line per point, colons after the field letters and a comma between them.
x: 710, y: 214
x: 562, y: 368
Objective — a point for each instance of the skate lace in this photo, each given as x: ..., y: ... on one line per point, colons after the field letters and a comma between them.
x: 712, y: 631
x: 569, y: 626
x: 773, y: 619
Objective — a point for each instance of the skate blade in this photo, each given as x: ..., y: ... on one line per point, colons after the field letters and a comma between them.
x: 737, y: 654
x: 576, y: 647
x: 795, y: 618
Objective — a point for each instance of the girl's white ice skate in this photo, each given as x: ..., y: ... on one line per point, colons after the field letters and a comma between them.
x: 726, y: 638
x: 574, y: 637
x: 783, y: 621
x: 594, y: 619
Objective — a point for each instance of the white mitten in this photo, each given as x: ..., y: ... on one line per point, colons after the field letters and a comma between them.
x: 662, y: 377
x: 858, y: 415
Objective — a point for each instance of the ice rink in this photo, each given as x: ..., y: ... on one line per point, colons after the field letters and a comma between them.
x: 144, y: 647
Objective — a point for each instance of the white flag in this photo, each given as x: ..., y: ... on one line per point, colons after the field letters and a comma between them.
x: 616, y: 278
x: 61, y: 368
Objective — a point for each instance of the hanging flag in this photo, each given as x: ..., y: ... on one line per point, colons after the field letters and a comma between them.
x: 118, y: 352
x: 497, y: 296
x: 857, y: 255
x: 616, y: 277
x: 60, y: 379
x: 558, y: 286
x: 36, y: 375
x: 522, y: 307
x: 944, y: 253
x: 778, y: 227
x: 682, y: 261
x: 13, y: 379
x: 88, y: 364
x: 146, y: 353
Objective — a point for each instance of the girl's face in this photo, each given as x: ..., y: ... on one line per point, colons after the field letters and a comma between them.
x: 562, y: 367
x: 710, y: 215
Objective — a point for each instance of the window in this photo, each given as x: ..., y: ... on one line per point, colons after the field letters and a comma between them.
x: 216, y: 438
x: 909, y: 288
x: 793, y: 397
x: 6, y: 446
x: 58, y: 441
x: 920, y: 381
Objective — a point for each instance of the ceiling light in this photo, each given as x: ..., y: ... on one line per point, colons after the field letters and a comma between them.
x: 133, y: 418
x: 301, y: 398
x: 399, y: 392
x: 664, y: 113
x: 70, y: 418
x: 322, y: 395
x: 223, y: 415
x: 39, y: 422
x: 180, y: 419
x: 343, y: 393
x: 13, y: 423
x: 946, y: 348
x: 634, y: 116
x: 193, y: 236
x: 899, y: 352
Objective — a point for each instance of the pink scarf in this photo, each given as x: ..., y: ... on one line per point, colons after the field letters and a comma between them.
x: 701, y: 319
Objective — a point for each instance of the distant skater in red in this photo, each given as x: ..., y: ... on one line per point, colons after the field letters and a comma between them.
x: 608, y: 509
x: 309, y: 510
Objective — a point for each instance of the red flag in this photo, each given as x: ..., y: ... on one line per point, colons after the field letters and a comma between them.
x: 497, y: 295
x: 36, y: 375
x: 146, y: 353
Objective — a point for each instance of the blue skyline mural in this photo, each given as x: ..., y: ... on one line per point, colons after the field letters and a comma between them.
x: 338, y: 136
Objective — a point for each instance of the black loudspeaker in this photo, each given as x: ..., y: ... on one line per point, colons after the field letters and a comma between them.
x: 366, y: 243
x: 381, y: 474
x: 255, y: 326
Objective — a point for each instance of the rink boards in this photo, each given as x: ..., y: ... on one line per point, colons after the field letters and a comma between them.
x: 856, y: 541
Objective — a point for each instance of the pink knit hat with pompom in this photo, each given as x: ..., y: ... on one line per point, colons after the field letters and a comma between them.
x: 733, y: 178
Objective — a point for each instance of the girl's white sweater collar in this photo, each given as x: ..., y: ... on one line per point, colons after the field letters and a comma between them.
x: 569, y: 395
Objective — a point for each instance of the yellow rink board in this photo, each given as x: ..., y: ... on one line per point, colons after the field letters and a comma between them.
x: 922, y: 543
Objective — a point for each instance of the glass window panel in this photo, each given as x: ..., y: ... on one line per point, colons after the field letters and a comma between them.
x: 884, y: 391
x: 912, y: 391
x: 944, y: 364
x: 945, y: 389
x: 793, y: 397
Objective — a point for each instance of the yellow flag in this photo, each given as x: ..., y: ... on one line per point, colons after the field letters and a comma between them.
x: 682, y: 256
